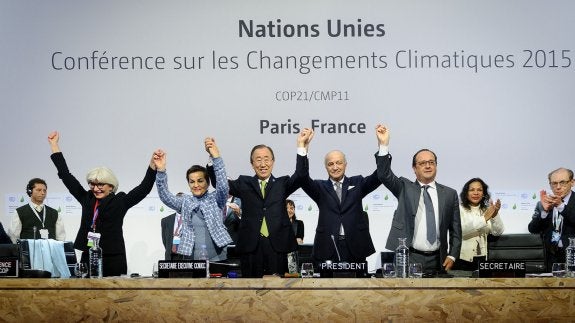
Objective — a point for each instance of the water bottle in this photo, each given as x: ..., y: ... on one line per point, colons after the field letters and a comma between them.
x: 402, y: 260
x: 204, y: 256
x: 570, y: 258
x: 95, y: 253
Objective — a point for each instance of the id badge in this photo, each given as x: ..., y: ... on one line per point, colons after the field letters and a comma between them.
x: 91, y: 237
x: 555, y: 236
x: 44, y: 233
x: 176, y: 242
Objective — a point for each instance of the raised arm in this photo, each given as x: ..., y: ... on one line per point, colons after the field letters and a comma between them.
x: 172, y: 201
x: 72, y: 184
x: 222, y: 185
x: 384, y: 172
x: 301, y: 178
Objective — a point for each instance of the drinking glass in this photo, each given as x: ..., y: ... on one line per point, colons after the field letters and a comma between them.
x: 388, y: 270
x: 415, y: 270
x: 558, y: 269
x: 81, y: 270
x: 307, y: 270
x: 155, y: 270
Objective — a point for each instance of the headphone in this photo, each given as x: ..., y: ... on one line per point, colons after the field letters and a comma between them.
x: 29, y: 188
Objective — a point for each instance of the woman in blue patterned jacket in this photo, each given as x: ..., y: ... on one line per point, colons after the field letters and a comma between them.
x: 202, y: 220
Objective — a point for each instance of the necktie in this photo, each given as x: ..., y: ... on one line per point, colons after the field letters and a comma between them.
x: 338, y: 190
x: 177, y: 232
x: 264, y: 229
x: 429, y: 216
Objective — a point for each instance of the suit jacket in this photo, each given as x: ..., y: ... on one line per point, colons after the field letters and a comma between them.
x: 232, y: 221
x: 273, y: 207
x: 544, y: 227
x: 349, y: 213
x: 298, y: 228
x: 4, y: 238
x: 408, y: 193
x: 168, y: 234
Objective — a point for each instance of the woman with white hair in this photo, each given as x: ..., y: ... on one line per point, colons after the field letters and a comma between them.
x: 103, y: 209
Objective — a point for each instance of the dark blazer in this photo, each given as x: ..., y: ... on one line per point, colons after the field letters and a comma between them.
x: 168, y: 234
x: 407, y: 193
x: 349, y: 213
x: 298, y: 228
x: 273, y: 206
x: 232, y: 221
x: 544, y: 227
x: 4, y: 238
x: 112, y: 210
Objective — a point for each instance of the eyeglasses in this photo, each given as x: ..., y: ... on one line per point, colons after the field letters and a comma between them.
x: 426, y: 163
x: 561, y: 183
x: 98, y: 185
x: 262, y: 161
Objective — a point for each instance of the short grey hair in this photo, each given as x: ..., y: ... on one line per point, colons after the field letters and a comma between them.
x: 103, y: 175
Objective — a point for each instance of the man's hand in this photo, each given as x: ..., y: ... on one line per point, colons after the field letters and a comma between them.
x: 549, y: 201
x: 304, y: 138
x: 382, y: 135
x: 448, y: 263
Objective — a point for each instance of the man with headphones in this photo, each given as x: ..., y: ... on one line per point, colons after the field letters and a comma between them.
x: 36, y: 220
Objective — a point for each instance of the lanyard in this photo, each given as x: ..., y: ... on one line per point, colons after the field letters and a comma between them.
x: 95, y: 217
x: 38, y: 216
x: 557, y: 220
x: 178, y: 226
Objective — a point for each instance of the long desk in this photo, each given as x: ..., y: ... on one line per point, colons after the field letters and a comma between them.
x: 277, y: 299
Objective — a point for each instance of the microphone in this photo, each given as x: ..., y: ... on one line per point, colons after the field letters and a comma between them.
x: 336, y: 249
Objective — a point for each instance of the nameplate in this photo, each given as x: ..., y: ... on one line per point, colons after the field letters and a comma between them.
x: 182, y: 269
x: 492, y: 269
x: 8, y: 267
x: 343, y: 269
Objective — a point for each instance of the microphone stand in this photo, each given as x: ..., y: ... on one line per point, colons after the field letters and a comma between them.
x: 33, y: 248
x: 336, y: 249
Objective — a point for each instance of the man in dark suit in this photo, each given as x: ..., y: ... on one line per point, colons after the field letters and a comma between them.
x: 341, y: 220
x: 171, y: 225
x: 423, y: 204
x: 554, y: 216
x: 266, y: 235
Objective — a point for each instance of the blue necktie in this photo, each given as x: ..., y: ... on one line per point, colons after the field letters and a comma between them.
x: 429, y: 216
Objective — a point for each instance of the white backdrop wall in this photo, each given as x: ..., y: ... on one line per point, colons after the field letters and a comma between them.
x: 488, y: 87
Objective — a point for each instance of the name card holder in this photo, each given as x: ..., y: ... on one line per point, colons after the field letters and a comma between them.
x: 182, y: 269
x: 502, y: 269
x: 330, y: 269
x: 9, y: 267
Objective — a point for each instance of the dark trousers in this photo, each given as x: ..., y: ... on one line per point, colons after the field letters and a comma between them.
x: 431, y: 264
x: 263, y: 261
